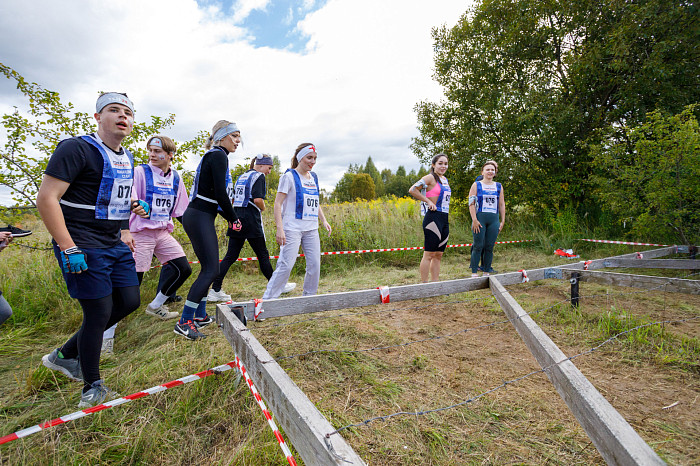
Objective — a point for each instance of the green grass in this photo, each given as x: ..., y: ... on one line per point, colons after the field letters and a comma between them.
x: 215, y: 421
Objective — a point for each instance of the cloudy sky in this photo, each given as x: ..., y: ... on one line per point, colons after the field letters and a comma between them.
x: 343, y: 74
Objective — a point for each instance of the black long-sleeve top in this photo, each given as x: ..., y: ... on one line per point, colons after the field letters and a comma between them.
x: 212, y: 184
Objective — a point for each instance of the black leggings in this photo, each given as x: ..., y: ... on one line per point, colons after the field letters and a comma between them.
x: 201, y: 230
x: 234, y: 249
x: 99, y: 315
x: 172, y: 275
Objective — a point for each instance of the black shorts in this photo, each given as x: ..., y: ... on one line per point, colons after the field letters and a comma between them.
x: 436, y: 228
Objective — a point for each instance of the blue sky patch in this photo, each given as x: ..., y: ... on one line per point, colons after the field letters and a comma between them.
x: 275, y: 25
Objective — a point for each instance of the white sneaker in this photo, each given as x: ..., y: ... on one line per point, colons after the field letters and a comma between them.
x: 108, y: 345
x: 162, y: 312
x: 289, y: 287
x: 220, y: 295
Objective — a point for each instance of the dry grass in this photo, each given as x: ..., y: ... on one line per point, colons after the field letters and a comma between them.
x: 213, y: 421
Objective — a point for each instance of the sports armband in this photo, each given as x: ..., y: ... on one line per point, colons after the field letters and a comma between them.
x: 420, y: 184
x: 472, y: 200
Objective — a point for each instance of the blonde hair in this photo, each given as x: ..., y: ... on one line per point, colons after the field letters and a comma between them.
x: 210, y: 140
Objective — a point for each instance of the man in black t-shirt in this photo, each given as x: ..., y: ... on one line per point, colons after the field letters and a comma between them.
x: 85, y: 201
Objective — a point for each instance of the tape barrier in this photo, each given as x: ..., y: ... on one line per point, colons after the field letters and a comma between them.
x: 268, y: 416
x: 623, y: 242
x: 362, y: 251
x: 157, y: 389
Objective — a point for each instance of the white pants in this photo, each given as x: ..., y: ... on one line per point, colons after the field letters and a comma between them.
x: 311, y: 246
x: 109, y: 333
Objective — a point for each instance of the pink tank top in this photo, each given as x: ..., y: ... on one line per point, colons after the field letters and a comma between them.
x: 434, y: 192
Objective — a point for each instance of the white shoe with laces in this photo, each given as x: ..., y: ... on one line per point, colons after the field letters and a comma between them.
x: 289, y: 287
x: 220, y: 295
x: 162, y: 312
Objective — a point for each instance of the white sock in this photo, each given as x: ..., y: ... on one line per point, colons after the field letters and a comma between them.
x: 158, y: 301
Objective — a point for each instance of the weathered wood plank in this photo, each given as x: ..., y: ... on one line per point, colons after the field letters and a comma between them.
x: 683, y: 264
x: 326, y: 302
x: 302, y: 422
x: 647, y: 282
x: 614, y: 438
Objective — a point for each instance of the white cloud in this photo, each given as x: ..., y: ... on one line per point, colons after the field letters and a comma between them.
x: 352, y: 92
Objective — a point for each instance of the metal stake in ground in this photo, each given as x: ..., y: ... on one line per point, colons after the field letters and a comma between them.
x: 574, y: 289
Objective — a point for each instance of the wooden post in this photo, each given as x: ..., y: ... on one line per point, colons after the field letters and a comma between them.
x: 614, y: 438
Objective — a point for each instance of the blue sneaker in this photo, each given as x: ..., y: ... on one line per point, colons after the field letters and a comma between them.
x: 70, y: 367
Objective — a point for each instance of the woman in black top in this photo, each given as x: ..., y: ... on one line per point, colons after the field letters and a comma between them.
x: 212, y: 193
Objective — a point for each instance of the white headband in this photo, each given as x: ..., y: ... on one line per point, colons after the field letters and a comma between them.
x: 156, y: 142
x: 225, y: 131
x: 306, y: 150
x: 113, y: 98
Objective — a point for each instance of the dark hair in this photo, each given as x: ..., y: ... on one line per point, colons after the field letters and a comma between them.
x: 295, y: 162
x: 432, y: 166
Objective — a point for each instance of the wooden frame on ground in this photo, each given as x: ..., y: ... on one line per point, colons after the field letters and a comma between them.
x: 614, y: 438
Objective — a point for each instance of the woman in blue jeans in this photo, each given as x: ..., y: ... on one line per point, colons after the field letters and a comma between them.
x: 486, y: 205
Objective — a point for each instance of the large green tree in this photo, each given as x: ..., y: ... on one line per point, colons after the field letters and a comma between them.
x: 652, y: 182
x: 532, y: 83
x: 32, y: 135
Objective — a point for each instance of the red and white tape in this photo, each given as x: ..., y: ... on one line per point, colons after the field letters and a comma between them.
x: 267, y: 414
x: 622, y: 242
x: 362, y: 251
x: 78, y: 414
x: 525, y: 277
x: 158, y: 388
x: 384, y: 293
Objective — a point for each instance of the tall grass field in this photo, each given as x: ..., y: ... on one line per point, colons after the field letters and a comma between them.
x: 411, y: 357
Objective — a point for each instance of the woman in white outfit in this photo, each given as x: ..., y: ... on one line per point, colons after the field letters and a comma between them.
x: 297, y: 215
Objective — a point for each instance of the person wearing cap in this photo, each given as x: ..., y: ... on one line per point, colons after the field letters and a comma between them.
x: 250, y: 192
x: 85, y: 202
x: 212, y: 193
x: 297, y: 213
x: 162, y: 189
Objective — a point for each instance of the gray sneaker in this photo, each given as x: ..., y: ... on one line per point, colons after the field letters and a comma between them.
x: 70, y: 367
x: 96, y: 394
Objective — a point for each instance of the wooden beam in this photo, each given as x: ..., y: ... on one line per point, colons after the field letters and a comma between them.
x: 614, y: 438
x: 305, y: 426
x: 326, y: 302
x: 647, y: 282
x: 345, y: 300
x: 683, y: 264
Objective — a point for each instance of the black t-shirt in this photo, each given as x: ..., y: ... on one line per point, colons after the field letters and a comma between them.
x: 77, y: 162
x: 211, y: 184
x: 249, y: 215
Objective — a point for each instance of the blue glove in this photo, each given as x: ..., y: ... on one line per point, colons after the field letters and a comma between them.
x: 144, y: 204
x: 74, y: 260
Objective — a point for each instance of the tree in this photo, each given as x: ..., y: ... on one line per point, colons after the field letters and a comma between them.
x: 31, y: 139
x: 372, y: 171
x: 353, y: 186
x: 399, y: 184
x: 655, y: 172
x: 532, y: 82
